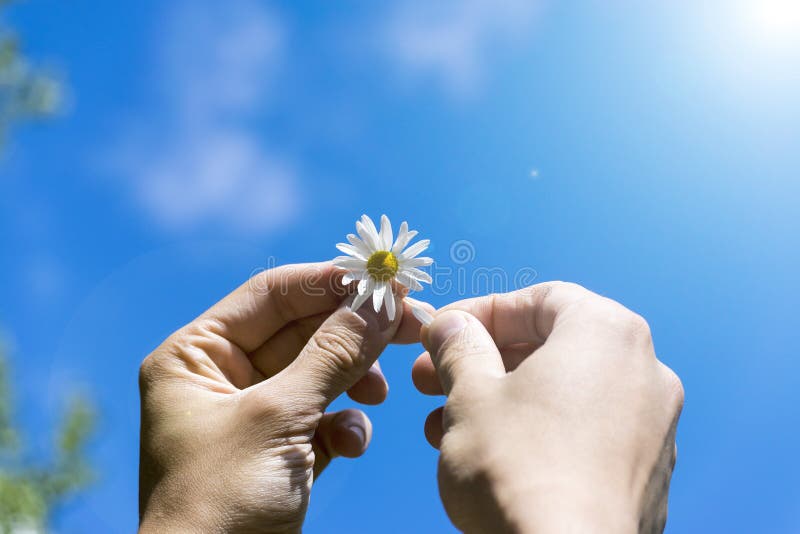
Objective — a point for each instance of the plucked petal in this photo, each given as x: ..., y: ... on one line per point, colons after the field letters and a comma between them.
x: 415, y: 249
x: 421, y: 315
x: 386, y: 233
x: 377, y: 296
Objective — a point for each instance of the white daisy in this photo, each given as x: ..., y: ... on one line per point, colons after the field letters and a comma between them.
x: 376, y: 262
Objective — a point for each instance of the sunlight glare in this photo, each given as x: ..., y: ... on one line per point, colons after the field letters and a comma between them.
x: 775, y: 23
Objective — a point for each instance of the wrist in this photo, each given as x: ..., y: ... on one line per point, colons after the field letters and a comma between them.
x: 173, y: 510
x: 554, y: 509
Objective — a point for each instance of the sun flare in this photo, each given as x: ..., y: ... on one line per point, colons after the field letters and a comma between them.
x: 774, y: 22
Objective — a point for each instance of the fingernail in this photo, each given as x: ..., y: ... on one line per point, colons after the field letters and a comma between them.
x: 359, y: 431
x: 375, y: 370
x: 377, y: 373
x: 443, y: 327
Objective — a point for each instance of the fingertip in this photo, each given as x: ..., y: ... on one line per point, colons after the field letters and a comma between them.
x: 424, y: 334
x: 424, y: 377
x: 434, y: 429
x: 445, y: 325
x: 351, y: 433
x: 372, y: 388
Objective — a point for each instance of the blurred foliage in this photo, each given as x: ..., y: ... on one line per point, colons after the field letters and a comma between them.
x: 25, y: 92
x: 28, y: 492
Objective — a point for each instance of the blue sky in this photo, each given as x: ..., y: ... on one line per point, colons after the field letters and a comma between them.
x: 650, y: 153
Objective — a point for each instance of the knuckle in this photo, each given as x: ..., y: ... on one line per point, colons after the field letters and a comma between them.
x: 560, y: 285
x: 636, y: 326
x: 151, y: 368
x: 630, y: 325
x: 342, y: 347
x: 675, y: 388
x: 541, y: 292
x: 147, y: 367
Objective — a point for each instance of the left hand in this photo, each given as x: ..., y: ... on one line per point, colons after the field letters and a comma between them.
x: 234, y: 428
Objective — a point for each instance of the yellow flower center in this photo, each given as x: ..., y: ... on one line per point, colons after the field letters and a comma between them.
x: 382, y: 265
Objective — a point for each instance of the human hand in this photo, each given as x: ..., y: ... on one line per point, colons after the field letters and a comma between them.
x: 234, y: 428
x: 559, y: 417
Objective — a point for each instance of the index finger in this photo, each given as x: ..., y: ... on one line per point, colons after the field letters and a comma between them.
x: 527, y: 315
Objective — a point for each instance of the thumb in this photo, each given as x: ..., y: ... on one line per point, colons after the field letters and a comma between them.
x: 461, y: 349
x: 340, y: 352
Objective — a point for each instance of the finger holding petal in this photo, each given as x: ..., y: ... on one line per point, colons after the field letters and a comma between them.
x: 410, y: 325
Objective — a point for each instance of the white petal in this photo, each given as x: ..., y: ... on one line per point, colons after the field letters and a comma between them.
x: 358, y: 301
x: 351, y: 276
x: 360, y: 245
x: 367, y: 221
x: 346, y: 262
x: 365, y: 286
x: 408, y: 281
x: 369, y: 227
x: 386, y: 233
x: 403, y: 238
x: 416, y: 262
x: 415, y: 249
x: 388, y: 301
x: 377, y: 296
x: 421, y: 315
x: 350, y: 249
x: 369, y: 236
x: 418, y: 275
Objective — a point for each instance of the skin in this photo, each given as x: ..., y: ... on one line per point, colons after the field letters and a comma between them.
x: 558, y: 418
x: 234, y: 426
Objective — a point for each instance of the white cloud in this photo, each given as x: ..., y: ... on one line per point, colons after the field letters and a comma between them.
x: 219, y: 177
x: 201, y: 162
x: 448, y: 41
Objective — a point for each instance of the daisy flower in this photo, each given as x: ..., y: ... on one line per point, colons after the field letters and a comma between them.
x: 375, y: 260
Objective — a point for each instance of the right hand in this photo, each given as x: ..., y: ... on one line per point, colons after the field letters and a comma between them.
x: 559, y: 417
